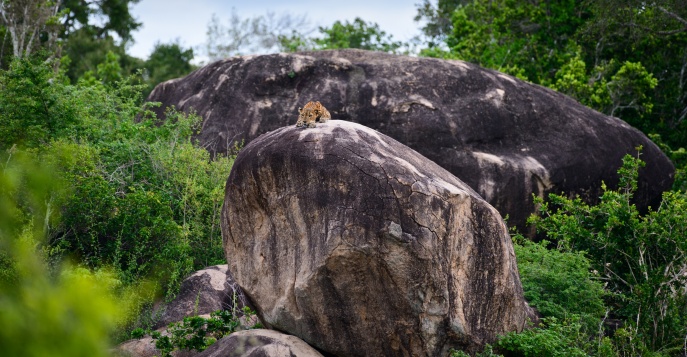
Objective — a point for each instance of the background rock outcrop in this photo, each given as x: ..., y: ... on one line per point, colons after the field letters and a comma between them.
x: 203, y: 292
x: 360, y: 246
x: 504, y: 137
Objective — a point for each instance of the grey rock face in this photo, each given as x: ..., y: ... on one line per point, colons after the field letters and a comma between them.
x: 205, y: 291
x: 360, y: 246
x: 260, y: 343
x: 505, y: 138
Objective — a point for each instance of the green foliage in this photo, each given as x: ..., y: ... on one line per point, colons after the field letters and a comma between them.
x: 86, y: 51
x: 589, y: 88
x: 560, y: 284
x: 108, y: 72
x: 653, y: 34
x: 33, y: 107
x: 138, y: 183
x: 167, y: 61
x: 641, y: 259
x: 557, y: 338
x: 528, y: 39
x: 356, y: 34
x: 623, y: 58
x: 102, y: 18
x: 63, y: 311
x: 437, y: 19
x: 197, y: 333
x: 145, y: 185
x: 5, y: 48
x: 679, y: 158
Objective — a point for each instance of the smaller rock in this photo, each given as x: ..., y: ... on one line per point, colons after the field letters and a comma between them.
x: 145, y: 347
x: 260, y: 343
x: 205, y: 291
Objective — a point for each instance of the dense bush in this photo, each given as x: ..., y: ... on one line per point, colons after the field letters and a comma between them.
x: 607, y: 263
x: 33, y: 109
x: 145, y: 200
x: 198, y: 333
x: 560, y: 284
x: 63, y: 311
x: 641, y: 259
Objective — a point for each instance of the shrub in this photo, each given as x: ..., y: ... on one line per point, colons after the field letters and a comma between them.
x: 197, y: 333
x: 145, y: 198
x: 557, y: 338
x: 560, y: 284
x: 34, y: 106
x: 640, y: 259
x: 66, y: 311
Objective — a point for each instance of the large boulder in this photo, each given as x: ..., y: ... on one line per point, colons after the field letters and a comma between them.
x: 361, y: 246
x: 260, y: 343
x: 203, y: 292
x: 505, y: 138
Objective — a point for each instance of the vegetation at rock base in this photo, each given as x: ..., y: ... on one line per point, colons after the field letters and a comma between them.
x: 98, y: 198
x: 198, y: 333
x: 610, y: 282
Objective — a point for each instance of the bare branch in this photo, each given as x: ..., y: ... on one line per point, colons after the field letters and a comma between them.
x: 673, y: 15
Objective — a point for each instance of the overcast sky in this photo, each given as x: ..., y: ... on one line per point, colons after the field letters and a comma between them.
x: 166, y: 20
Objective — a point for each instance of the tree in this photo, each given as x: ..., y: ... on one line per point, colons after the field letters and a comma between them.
x: 102, y: 18
x: 26, y: 21
x: 624, y: 58
x: 532, y: 40
x: 438, y: 19
x: 356, y: 34
x: 288, y: 33
x: 655, y: 35
x: 167, y: 61
x: 259, y: 34
x: 92, y: 29
x: 32, y: 110
x: 86, y: 52
x: 63, y: 311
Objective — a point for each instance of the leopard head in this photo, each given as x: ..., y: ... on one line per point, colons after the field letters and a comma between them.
x: 306, y: 115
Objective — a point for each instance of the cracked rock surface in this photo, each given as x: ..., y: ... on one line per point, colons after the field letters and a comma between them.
x: 360, y: 246
x: 505, y: 138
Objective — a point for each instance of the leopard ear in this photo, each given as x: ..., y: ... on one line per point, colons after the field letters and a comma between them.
x: 300, y: 110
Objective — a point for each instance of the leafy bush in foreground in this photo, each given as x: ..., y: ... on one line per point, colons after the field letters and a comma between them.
x: 642, y: 260
x: 63, y: 311
x: 144, y: 199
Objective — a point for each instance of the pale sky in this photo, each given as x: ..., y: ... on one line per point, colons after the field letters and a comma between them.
x: 166, y: 20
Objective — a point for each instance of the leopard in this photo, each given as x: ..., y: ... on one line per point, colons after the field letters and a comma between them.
x: 312, y: 112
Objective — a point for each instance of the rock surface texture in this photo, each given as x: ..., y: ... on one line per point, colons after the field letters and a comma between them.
x: 504, y: 137
x: 203, y: 292
x: 360, y: 246
x: 260, y: 343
